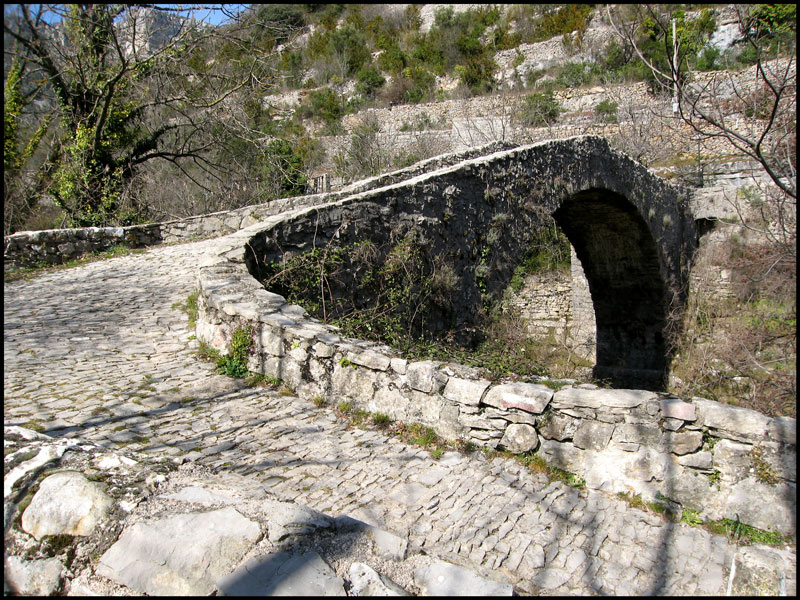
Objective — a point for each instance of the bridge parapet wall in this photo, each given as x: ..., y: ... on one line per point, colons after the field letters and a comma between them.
x: 706, y: 456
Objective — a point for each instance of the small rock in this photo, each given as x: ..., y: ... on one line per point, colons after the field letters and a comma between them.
x: 32, y: 578
x: 519, y: 437
x: 287, y: 518
x: 66, y: 503
x: 365, y: 581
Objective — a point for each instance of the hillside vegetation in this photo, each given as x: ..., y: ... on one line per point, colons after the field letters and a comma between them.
x: 116, y: 114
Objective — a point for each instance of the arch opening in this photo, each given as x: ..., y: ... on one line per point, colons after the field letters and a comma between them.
x: 621, y: 264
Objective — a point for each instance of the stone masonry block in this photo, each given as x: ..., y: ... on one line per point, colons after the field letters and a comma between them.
x: 465, y: 391
x: 678, y: 409
x: 558, y: 427
x: 530, y: 397
x: 423, y: 376
x: 592, y: 435
x: 733, y: 422
x: 683, y: 442
x: 370, y: 359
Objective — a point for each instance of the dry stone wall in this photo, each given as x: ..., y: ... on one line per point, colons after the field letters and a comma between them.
x: 707, y: 456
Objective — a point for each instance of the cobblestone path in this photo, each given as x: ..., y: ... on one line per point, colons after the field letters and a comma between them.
x: 99, y: 352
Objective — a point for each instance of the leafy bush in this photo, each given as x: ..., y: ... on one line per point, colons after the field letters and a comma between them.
x: 234, y: 364
x: 606, y: 111
x: 573, y: 75
x: 422, y: 84
x: 323, y: 104
x: 284, y: 169
x: 540, y: 109
x: 393, y: 59
x: 369, y: 80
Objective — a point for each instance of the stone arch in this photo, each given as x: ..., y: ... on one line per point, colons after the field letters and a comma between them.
x: 620, y: 261
x: 632, y: 231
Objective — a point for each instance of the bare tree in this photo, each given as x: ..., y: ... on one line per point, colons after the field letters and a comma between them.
x: 120, y: 86
x: 753, y: 111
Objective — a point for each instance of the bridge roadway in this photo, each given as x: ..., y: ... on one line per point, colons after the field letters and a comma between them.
x: 101, y: 352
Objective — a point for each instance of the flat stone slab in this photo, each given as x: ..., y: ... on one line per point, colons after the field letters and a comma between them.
x: 444, y: 579
x: 287, y: 518
x: 600, y: 398
x: 530, y: 397
x: 366, y: 581
x: 180, y: 555
x: 282, y: 574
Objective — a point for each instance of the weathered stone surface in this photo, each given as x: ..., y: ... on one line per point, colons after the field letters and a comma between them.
x: 551, y: 578
x: 349, y: 382
x: 733, y: 458
x: 182, y: 554
x: 783, y: 429
x: 558, y: 427
x: 530, y: 397
x: 637, y: 434
x: 288, y: 518
x: 66, y: 503
x: 33, y: 577
x: 682, y: 442
x: 390, y: 401
x: 698, y: 460
x: 563, y: 455
x: 272, y: 341
x: 282, y: 574
x: 366, y: 581
x: 647, y: 464
x: 592, y: 435
x: 690, y: 489
x: 200, y: 495
x: 444, y: 579
x: 733, y: 422
x: 519, y: 437
x: 678, y: 409
x: 763, y: 505
x: 424, y: 376
x: 465, y: 391
x: 600, y: 398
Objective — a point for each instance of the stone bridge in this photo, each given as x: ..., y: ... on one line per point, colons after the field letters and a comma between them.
x: 102, y: 359
x: 633, y: 233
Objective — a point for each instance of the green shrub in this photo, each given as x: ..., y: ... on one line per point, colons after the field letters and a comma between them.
x: 368, y: 81
x: 234, y: 364
x: 422, y: 84
x: 606, y: 111
x: 540, y: 109
x: 324, y: 104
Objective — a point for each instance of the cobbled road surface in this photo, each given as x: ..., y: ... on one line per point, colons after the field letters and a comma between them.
x: 101, y: 352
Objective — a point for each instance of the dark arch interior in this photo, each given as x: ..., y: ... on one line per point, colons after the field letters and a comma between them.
x: 621, y: 264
